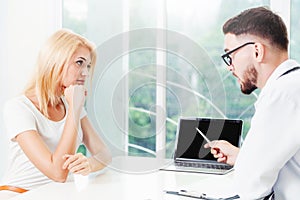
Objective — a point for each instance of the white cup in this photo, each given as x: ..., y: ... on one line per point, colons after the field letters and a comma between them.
x: 81, y: 181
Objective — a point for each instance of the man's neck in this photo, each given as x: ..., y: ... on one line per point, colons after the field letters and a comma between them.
x: 268, y: 67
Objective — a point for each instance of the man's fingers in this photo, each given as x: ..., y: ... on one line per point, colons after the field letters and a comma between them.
x: 223, y: 159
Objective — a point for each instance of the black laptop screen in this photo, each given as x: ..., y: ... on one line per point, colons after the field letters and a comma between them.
x: 190, y: 144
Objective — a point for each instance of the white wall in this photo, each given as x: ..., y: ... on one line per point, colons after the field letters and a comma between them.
x: 24, y: 26
x: 3, y: 62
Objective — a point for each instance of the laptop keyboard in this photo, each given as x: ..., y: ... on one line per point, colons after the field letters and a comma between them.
x: 203, y: 165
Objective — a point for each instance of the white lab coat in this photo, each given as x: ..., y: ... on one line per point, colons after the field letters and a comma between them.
x: 270, y: 156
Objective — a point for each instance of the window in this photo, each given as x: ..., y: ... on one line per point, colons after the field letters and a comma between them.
x: 158, y: 60
x: 294, y: 33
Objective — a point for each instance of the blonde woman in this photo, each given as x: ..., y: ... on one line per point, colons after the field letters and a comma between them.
x: 46, y: 124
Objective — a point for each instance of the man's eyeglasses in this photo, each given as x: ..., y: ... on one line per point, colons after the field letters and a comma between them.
x: 226, y: 57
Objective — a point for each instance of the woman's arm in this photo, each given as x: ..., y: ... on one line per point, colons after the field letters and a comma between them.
x: 51, y: 164
x: 101, y: 156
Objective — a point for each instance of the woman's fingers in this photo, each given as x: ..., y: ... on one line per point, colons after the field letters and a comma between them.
x: 83, y: 169
x: 77, y: 163
x: 70, y: 159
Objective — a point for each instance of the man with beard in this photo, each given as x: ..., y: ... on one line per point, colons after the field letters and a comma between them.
x: 256, y: 52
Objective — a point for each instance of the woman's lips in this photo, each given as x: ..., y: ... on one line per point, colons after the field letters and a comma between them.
x: 80, y: 82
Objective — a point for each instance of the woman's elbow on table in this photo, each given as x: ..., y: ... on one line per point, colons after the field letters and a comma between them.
x: 59, y: 177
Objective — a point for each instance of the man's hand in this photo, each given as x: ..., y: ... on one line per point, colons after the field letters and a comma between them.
x: 223, y: 151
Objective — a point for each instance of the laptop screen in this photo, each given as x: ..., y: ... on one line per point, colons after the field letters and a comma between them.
x: 190, y: 144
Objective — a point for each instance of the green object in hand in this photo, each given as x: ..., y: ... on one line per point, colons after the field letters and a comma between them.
x: 82, y: 149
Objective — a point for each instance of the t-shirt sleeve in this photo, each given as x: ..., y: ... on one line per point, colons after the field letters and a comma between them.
x: 17, y: 118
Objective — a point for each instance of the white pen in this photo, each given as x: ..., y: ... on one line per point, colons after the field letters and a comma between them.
x: 202, y: 134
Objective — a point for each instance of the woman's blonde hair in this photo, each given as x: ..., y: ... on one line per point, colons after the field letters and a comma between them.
x: 52, y: 61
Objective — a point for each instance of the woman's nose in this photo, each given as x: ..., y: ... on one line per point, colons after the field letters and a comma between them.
x: 85, y: 71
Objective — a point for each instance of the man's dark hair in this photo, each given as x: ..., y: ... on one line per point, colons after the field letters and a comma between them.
x: 260, y: 22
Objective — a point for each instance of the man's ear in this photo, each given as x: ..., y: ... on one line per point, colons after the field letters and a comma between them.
x: 259, y: 51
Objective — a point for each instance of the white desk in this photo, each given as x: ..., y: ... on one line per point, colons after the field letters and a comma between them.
x: 121, y: 182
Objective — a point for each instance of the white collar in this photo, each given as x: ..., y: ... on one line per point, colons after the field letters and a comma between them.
x: 279, y: 71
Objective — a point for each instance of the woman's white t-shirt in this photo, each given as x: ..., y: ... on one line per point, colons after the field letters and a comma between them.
x: 21, y: 115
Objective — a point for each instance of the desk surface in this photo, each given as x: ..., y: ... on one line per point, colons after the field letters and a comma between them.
x: 120, y: 181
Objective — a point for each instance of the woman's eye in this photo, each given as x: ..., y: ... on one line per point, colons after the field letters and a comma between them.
x: 79, y: 62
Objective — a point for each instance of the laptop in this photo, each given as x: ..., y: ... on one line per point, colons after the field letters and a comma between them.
x: 190, y: 154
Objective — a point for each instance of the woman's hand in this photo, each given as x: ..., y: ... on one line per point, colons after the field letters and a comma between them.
x: 75, y: 96
x: 223, y: 151
x: 77, y: 164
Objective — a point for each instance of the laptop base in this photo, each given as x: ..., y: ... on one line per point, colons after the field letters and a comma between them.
x: 172, y: 167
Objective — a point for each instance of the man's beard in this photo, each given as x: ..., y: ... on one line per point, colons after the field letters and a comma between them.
x: 250, y: 80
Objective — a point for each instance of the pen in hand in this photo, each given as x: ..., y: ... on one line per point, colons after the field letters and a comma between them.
x: 217, y: 150
x: 207, y: 140
x: 202, y: 134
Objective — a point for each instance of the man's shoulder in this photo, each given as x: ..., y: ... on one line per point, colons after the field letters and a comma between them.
x: 289, y: 81
x: 286, y: 88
